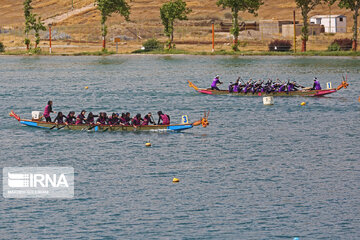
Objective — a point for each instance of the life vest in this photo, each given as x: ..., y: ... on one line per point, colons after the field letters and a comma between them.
x: 70, y: 119
x: 80, y: 119
x: 47, y: 111
x: 236, y: 88
x: 215, y: 81
x: 135, y: 121
x: 165, y: 119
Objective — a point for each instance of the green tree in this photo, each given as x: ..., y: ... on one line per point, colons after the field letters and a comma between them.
x: 354, y: 6
x: 306, y: 6
x: 329, y: 3
x: 37, y: 26
x: 108, y: 7
x: 239, y: 5
x: 169, y: 12
x: 29, y: 18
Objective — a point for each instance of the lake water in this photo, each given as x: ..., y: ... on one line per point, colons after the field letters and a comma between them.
x: 257, y: 172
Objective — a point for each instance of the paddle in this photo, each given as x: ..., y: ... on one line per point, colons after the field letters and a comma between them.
x: 92, y: 127
x: 52, y: 127
x: 62, y: 127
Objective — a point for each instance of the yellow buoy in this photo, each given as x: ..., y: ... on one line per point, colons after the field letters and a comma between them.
x: 176, y: 180
x: 303, y: 103
x: 86, y: 87
x: 148, y: 144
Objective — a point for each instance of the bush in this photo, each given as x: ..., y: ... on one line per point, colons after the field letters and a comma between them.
x: 342, y: 44
x: 334, y: 47
x: 280, y: 45
x: 152, y: 44
x: 2, y: 48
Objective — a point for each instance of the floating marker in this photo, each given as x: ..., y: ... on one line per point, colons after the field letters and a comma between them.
x: 303, y: 104
x: 268, y: 100
x: 86, y: 87
x: 176, y: 180
x: 148, y: 144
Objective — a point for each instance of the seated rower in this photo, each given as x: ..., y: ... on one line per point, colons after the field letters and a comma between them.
x: 47, y: 111
x: 81, y: 118
x: 127, y: 118
x: 59, y: 118
x: 148, y: 119
x: 236, y: 86
x: 231, y: 87
x: 215, y: 82
x: 164, y: 118
x: 123, y: 119
x: 136, y: 121
x: 316, y: 85
x: 90, y: 118
x: 70, y: 119
x: 113, y: 120
x: 102, y: 119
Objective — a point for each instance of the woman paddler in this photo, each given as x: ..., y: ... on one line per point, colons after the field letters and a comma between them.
x: 70, y: 119
x: 148, y: 119
x: 215, y: 82
x: 59, y: 118
x: 47, y: 111
x: 102, y: 119
x: 136, y: 121
x: 316, y: 85
x: 164, y: 118
x: 113, y: 120
x: 81, y: 118
x: 90, y: 118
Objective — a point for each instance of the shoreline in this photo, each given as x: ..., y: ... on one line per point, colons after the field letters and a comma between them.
x: 188, y: 53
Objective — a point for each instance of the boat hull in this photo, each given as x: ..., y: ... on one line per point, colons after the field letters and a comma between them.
x: 103, y: 128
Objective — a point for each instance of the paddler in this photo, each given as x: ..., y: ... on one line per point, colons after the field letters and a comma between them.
x: 81, y: 118
x: 316, y: 85
x: 236, y: 86
x: 148, y: 119
x: 215, y: 82
x: 113, y: 120
x: 47, y: 111
x: 91, y: 118
x: 164, y: 118
x: 70, y: 119
x: 102, y: 119
x: 136, y: 121
x: 59, y: 118
x: 123, y: 118
x: 127, y: 118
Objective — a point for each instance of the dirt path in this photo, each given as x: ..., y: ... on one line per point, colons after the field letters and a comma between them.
x: 62, y: 17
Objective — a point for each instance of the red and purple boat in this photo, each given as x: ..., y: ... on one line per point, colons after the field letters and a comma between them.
x: 307, y: 92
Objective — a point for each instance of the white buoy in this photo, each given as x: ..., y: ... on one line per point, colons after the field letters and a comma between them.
x: 268, y: 100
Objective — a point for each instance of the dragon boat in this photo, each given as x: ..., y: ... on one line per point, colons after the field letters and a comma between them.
x: 38, y: 123
x: 307, y: 92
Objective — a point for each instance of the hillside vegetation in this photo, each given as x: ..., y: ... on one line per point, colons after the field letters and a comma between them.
x: 84, y: 24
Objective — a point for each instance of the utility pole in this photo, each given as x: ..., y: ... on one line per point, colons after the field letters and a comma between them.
x: 294, y: 32
x: 50, y: 37
x: 213, y: 35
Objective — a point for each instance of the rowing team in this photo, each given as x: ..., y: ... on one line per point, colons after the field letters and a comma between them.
x: 252, y: 86
x: 103, y: 119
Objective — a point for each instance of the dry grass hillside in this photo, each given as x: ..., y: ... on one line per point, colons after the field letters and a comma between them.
x: 82, y: 25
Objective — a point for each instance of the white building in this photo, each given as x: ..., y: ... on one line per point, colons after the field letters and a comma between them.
x: 332, y: 23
